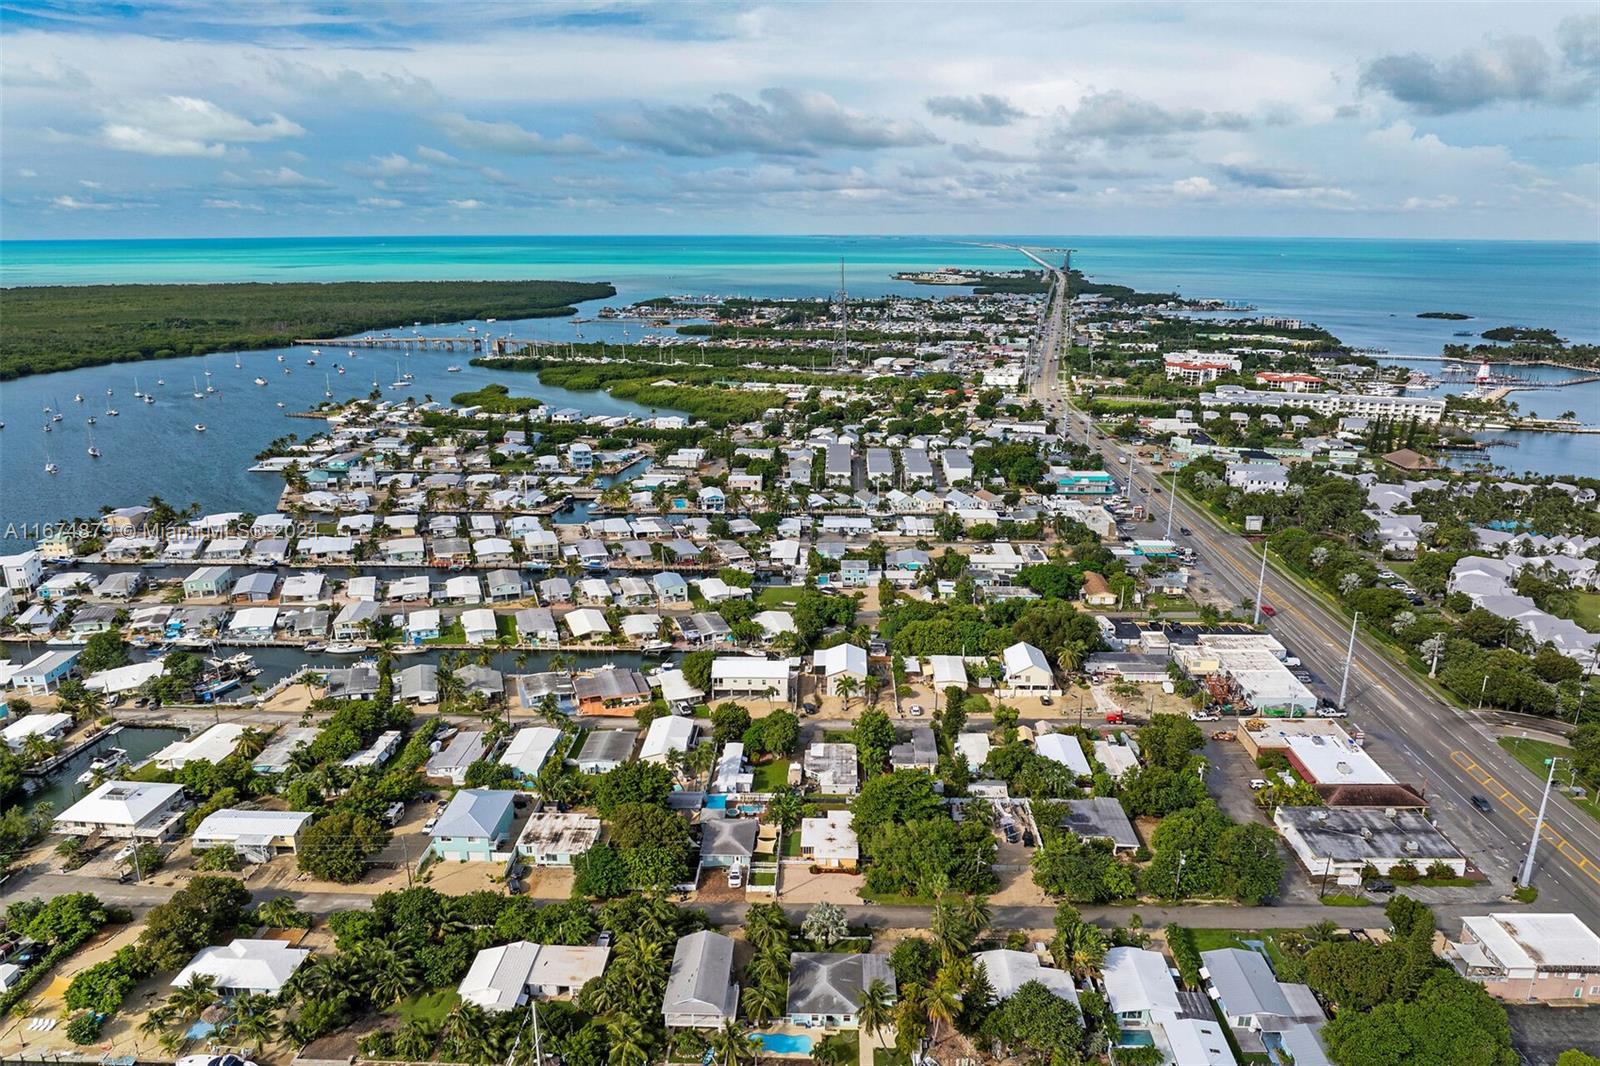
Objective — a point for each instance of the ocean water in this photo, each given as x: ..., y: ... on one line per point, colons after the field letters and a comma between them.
x: 1367, y: 292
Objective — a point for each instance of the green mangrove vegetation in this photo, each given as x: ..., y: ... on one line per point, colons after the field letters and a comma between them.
x: 59, y: 327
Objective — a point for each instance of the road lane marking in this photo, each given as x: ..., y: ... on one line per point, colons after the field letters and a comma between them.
x: 1490, y: 784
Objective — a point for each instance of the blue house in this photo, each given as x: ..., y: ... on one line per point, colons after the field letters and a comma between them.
x: 475, y: 827
x: 1086, y: 483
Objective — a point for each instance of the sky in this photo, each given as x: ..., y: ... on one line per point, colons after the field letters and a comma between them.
x: 188, y: 119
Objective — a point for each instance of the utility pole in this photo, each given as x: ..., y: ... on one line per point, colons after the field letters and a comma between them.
x: 1172, y: 505
x: 1349, y: 657
x: 1261, y: 584
x: 1538, y: 825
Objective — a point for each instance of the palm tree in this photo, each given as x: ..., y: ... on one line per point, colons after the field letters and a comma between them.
x: 825, y: 924
x: 628, y: 1040
x: 943, y: 998
x: 1080, y: 949
x: 784, y: 809
x: 465, y: 1031
x: 845, y: 687
x: 768, y: 967
x: 949, y: 928
x: 190, y: 1000
x: 255, y: 1020
x: 415, y: 1040
x: 731, y: 1045
x: 876, y: 1006
x: 976, y: 913
x: 1070, y: 657
x: 251, y: 742
x: 391, y: 975
x: 763, y: 1000
x: 280, y: 912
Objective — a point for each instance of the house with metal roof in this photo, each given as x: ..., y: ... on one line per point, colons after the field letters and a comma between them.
x: 125, y: 809
x: 1027, y: 669
x: 506, y: 977
x: 475, y: 827
x: 701, y: 993
x: 604, y: 750
x: 451, y: 762
x: 258, y: 966
x: 727, y: 841
x: 257, y: 835
x: 530, y: 748
x: 1009, y: 970
x: 666, y: 734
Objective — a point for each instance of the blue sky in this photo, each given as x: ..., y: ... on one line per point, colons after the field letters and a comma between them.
x: 199, y: 119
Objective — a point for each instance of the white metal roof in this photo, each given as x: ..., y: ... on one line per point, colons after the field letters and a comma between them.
x: 120, y: 803
x: 1065, y: 749
x: 1138, y: 980
x: 258, y: 965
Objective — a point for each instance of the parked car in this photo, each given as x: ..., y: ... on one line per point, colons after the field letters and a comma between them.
x: 736, y: 876
x: 1331, y: 712
x: 1257, y: 784
x: 1380, y: 888
x: 604, y: 939
x: 1184, y: 530
x: 1204, y: 716
x: 1045, y: 700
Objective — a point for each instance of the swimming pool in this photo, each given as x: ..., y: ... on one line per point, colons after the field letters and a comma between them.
x: 717, y: 803
x: 785, y: 1043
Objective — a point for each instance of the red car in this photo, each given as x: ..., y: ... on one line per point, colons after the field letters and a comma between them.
x: 1268, y: 610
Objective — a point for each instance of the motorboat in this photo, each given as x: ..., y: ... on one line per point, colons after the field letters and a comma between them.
x: 343, y: 647
x: 452, y: 370
x: 113, y: 760
x: 51, y: 468
x: 316, y: 646
x: 199, y: 427
x: 316, y: 351
x: 261, y: 381
x: 78, y: 398
x: 280, y: 403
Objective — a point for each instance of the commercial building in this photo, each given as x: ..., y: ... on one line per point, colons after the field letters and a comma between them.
x: 1521, y: 957
x: 1387, y: 408
x: 1343, y: 841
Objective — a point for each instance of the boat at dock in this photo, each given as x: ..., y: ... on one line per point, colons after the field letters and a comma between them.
x: 344, y: 647
x: 113, y: 760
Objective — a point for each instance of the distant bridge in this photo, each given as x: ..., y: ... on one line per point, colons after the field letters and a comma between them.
x: 492, y: 345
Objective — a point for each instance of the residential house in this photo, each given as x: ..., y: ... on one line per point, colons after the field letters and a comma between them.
x: 506, y: 977
x: 604, y: 750
x: 746, y: 675
x: 834, y: 768
x: 835, y: 664
x: 555, y: 838
x: 125, y: 810
x: 826, y: 988
x: 475, y: 827
x: 1027, y: 669
x: 829, y: 842
x: 701, y: 993
x: 261, y: 967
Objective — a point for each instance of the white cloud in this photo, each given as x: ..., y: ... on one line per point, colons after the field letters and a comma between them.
x: 189, y: 126
x: 508, y: 137
x: 278, y: 178
x: 232, y: 205
x: 382, y: 201
x: 467, y: 204
x: 1195, y: 186
x: 72, y: 203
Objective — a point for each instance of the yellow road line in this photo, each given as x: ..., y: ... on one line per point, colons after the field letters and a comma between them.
x: 1487, y: 781
x: 1492, y: 785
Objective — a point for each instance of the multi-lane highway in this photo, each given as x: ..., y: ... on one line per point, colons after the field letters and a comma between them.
x: 1416, y: 736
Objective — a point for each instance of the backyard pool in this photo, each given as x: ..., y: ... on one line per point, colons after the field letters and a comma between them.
x: 785, y: 1043
x: 717, y: 802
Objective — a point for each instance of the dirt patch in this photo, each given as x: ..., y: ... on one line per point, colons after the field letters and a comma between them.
x: 798, y: 884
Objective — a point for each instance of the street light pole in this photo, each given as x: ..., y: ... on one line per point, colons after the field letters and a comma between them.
x: 1538, y: 826
x: 1261, y: 583
x: 1349, y: 657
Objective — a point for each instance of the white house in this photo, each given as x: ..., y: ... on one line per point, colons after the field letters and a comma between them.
x: 1027, y: 670
x: 746, y: 675
x: 839, y: 662
x: 125, y: 809
x: 504, y: 978
x: 260, y: 966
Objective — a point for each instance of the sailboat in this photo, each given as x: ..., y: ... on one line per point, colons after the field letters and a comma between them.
x: 197, y: 393
x: 112, y: 411
x: 137, y: 395
x: 94, y: 453
x: 327, y: 388
x: 55, y: 416
x: 236, y: 363
x: 49, y: 467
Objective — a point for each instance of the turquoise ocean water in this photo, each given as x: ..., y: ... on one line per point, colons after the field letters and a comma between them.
x: 1367, y: 292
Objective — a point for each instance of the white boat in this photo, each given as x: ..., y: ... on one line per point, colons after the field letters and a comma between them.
x: 149, y: 398
x: 214, y: 1060
x: 114, y: 759
x: 197, y: 393
x: 472, y: 329
x: 311, y: 362
x: 280, y: 358
x: 280, y: 403
x: 94, y: 452
x: 316, y: 646
x: 51, y: 468
x: 316, y: 351
x: 91, y: 420
x: 287, y: 371
x: 199, y: 427
x: 491, y: 320
x: 78, y: 398
x: 261, y: 381
x: 340, y: 369
x: 351, y: 353
x: 161, y: 381
x: 452, y: 370
x: 343, y: 647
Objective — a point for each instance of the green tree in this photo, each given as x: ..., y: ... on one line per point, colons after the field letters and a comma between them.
x: 1452, y: 1022
x: 337, y: 846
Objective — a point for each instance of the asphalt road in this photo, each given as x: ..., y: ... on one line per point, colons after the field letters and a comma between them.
x: 26, y: 884
x: 1416, y: 736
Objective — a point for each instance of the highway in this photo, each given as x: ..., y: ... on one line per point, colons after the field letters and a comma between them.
x: 1418, y: 738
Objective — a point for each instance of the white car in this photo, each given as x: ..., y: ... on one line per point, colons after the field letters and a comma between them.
x: 1257, y: 784
x: 1204, y: 716
x: 735, y: 876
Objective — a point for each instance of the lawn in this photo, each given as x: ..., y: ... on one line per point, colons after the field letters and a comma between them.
x: 450, y: 634
x: 775, y: 597
x: 1212, y: 939
x: 882, y: 1056
x: 791, y: 845
x: 430, y: 1007
x: 1586, y: 611
x: 1340, y: 899
x: 1533, y: 753
x: 771, y: 776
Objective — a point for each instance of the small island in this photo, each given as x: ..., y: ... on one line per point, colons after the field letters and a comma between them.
x: 1448, y: 316
x: 1522, y: 335
x: 496, y: 399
